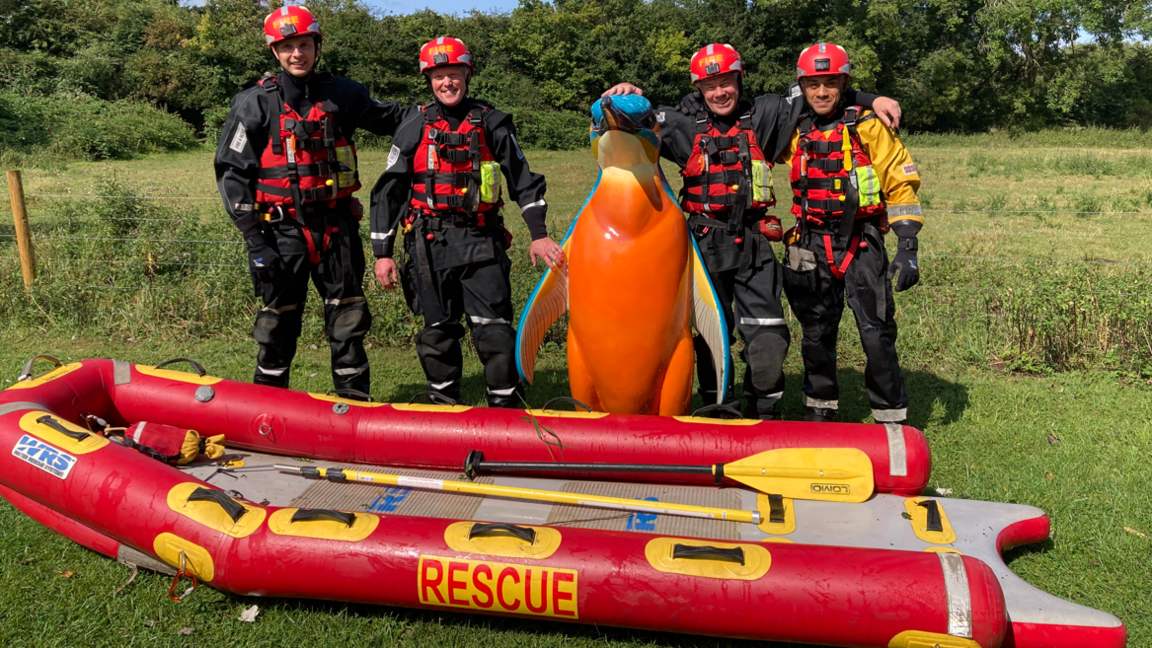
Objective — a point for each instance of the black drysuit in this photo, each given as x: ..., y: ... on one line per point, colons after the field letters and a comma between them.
x: 455, y: 267
x: 747, y: 272
x: 279, y: 251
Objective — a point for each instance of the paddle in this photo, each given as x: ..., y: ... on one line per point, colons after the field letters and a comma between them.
x: 824, y: 474
x: 533, y: 494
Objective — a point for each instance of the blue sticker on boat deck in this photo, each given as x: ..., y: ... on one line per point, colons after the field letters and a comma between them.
x: 50, y: 459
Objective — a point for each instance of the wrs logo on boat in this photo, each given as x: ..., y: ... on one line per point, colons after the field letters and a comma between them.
x: 45, y: 457
x: 831, y: 489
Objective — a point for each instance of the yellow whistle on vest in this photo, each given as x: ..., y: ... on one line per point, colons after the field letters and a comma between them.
x: 329, y: 182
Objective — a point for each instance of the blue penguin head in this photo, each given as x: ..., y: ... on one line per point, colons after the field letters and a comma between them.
x: 627, y: 113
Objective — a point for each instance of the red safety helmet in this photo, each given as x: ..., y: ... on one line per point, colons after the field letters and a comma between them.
x: 444, y: 51
x: 823, y: 58
x: 714, y: 60
x: 289, y: 21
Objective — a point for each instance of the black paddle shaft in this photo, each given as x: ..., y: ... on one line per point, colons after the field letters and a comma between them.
x: 475, y: 464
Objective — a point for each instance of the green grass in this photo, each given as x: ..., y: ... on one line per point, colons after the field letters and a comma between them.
x: 1025, y: 325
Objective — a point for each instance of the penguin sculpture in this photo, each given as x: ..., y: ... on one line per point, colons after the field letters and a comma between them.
x: 634, y: 283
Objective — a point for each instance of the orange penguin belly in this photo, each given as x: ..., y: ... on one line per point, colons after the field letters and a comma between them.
x: 630, y: 346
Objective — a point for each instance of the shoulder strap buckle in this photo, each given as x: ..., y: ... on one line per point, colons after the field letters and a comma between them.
x: 703, y: 122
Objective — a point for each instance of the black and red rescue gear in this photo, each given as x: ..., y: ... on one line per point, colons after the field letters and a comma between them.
x: 833, y: 181
x: 727, y: 172
x: 454, y: 171
x: 307, y: 160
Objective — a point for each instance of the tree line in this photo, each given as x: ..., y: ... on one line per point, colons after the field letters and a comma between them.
x: 955, y: 65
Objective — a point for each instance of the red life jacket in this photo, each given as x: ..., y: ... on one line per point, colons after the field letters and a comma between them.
x: 833, y: 180
x: 454, y: 171
x: 307, y: 159
x: 824, y: 188
x: 726, y: 172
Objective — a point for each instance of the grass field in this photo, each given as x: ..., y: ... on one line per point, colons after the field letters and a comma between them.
x: 1025, y: 350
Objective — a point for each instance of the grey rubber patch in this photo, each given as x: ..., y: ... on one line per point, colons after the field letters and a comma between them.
x: 205, y: 393
x: 121, y: 372
x: 129, y: 556
x: 340, y: 408
x: 897, y: 451
x: 19, y: 405
x: 959, y: 598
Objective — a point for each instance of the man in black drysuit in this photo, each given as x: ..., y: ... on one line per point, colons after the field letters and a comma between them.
x: 441, y: 192
x: 294, y: 232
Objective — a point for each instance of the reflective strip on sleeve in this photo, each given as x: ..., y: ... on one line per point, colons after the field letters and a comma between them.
x: 904, y: 210
x: 538, y: 203
x: 377, y: 236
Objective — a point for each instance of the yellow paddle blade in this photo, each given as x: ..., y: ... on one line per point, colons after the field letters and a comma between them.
x: 824, y: 474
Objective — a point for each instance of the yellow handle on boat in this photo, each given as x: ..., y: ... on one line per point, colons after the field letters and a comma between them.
x: 531, y: 494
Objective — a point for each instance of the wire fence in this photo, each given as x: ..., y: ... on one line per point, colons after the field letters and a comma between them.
x: 180, y: 244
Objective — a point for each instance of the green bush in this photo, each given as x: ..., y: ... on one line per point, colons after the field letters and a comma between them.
x: 551, y: 130
x: 214, y: 118
x: 79, y: 126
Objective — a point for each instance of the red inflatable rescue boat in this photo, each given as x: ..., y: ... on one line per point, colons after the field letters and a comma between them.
x: 864, y: 575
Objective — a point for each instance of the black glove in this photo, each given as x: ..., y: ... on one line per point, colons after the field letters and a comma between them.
x: 691, y: 104
x: 264, y: 261
x: 905, y: 264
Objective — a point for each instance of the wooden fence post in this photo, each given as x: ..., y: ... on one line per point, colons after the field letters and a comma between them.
x: 23, y: 233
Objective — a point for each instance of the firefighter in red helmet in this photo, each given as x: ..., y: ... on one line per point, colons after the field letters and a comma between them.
x: 852, y: 181
x: 441, y: 193
x: 724, y: 144
x: 286, y: 169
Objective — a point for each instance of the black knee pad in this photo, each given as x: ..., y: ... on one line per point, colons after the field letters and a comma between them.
x: 439, y: 350
x: 349, y: 324
x: 275, y: 329
x: 496, y: 346
x: 764, y: 355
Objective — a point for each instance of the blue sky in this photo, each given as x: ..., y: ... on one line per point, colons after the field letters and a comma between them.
x: 408, y: 6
